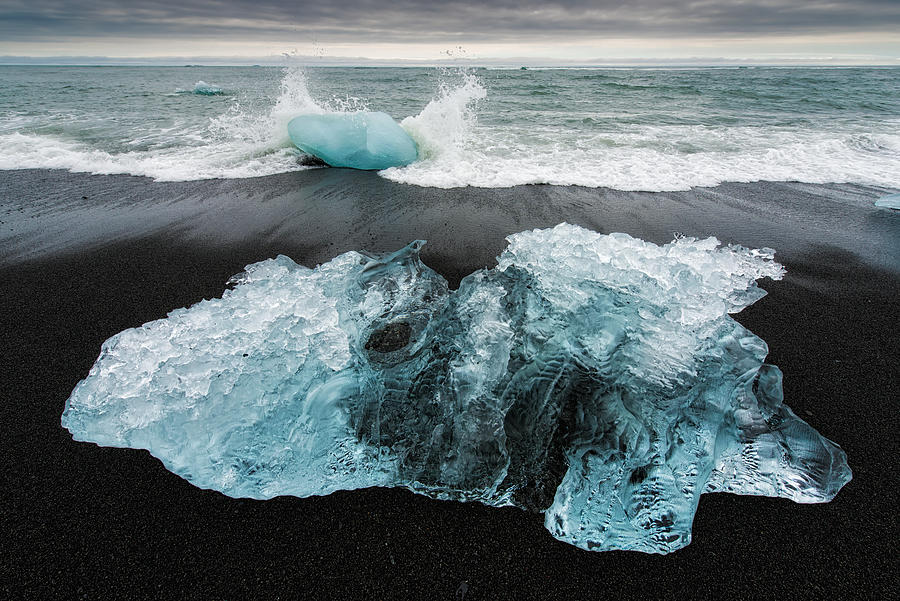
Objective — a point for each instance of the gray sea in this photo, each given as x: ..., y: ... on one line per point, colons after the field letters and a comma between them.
x: 627, y: 129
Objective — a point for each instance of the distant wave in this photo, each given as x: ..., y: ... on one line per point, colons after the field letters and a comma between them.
x: 204, y: 89
x: 201, y: 88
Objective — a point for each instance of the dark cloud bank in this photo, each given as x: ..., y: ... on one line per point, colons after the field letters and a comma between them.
x: 371, y: 21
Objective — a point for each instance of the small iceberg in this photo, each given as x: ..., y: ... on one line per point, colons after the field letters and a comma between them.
x: 204, y: 89
x: 891, y: 201
x: 363, y: 140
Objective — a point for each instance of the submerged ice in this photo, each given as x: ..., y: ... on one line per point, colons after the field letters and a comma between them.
x: 891, y: 201
x: 360, y: 140
x: 595, y: 378
x: 204, y: 89
x: 201, y: 88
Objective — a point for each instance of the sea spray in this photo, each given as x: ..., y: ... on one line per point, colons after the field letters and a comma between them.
x: 266, y: 129
x: 444, y: 127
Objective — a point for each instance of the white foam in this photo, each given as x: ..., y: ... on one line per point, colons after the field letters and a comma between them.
x: 443, y: 129
x: 657, y: 158
x: 28, y: 151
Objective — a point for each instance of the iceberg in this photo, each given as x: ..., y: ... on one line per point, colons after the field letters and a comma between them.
x: 891, y: 201
x: 204, y: 89
x: 597, y: 379
x: 361, y: 140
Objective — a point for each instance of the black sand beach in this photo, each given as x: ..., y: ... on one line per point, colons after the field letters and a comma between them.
x: 84, y: 257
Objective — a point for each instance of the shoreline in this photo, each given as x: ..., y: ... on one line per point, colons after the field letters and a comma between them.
x: 94, y: 521
x: 314, y: 215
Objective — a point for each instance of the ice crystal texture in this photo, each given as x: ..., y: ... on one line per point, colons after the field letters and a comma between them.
x: 595, y: 378
x: 361, y: 140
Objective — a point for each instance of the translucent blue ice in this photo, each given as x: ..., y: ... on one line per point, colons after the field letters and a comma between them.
x: 360, y: 140
x: 595, y: 378
x: 204, y: 89
x: 891, y: 201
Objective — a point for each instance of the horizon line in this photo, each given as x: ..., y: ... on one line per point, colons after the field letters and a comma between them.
x: 515, y: 62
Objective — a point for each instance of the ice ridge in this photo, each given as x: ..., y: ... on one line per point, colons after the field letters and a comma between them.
x: 595, y: 378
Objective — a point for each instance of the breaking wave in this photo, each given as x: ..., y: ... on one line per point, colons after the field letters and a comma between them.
x: 643, y: 160
x: 201, y: 88
x: 466, y: 137
x: 242, y: 142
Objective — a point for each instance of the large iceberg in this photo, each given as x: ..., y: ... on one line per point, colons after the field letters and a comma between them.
x: 595, y: 378
x: 361, y: 140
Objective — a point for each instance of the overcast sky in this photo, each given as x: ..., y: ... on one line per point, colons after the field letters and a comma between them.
x: 854, y: 30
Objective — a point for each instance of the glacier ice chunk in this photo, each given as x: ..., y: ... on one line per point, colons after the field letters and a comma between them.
x: 361, y: 140
x: 205, y: 89
x: 595, y: 378
x: 891, y: 201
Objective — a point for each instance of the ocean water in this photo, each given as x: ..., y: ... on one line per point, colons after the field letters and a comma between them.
x: 628, y: 129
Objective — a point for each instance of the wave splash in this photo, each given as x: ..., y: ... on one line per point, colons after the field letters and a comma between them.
x: 464, y: 139
x: 458, y: 150
x: 443, y: 130
x: 242, y: 142
x: 246, y: 140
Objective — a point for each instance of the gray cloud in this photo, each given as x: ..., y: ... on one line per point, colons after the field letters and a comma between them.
x: 368, y: 21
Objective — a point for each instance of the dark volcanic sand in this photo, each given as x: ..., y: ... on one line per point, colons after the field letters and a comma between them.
x: 87, y: 522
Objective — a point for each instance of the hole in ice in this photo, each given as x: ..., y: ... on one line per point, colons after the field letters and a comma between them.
x: 391, y: 337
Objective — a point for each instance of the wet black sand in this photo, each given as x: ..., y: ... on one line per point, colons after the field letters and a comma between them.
x: 81, y: 521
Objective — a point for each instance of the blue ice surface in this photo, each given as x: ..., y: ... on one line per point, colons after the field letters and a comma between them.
x: 598, y: 379
x: 360, y: 140
x: 204, y: 89
x: 891, y: 201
